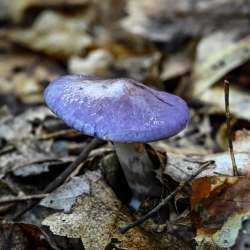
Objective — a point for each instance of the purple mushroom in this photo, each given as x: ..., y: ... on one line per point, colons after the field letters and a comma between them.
x: 125, y: 112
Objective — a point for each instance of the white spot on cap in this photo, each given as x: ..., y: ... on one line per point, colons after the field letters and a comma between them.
x: 101, y: 89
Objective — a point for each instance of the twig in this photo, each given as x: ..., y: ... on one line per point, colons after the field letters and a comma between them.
x: 63, y: 176
x: 7, y: 149
x: 65, y: 132
x: 22, y: 198
x: 229, y: 132
x: 66, y: 173
x: 141, y: 220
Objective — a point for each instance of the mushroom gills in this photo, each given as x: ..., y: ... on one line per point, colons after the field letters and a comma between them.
x: 139, y: 172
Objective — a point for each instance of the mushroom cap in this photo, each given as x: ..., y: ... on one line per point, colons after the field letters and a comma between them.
x: 121, y: 110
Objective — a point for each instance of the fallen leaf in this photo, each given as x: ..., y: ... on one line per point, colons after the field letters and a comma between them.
x: 16, y: 9
x: 239, y: 101
x: 170, y: 20
x: 140, y: 67
x: 95, y: 219
x: 17, y: 131
x: 217, y: 54
x: 64, y: 197
x: 242, y: 241
x: 218, y: 205
x: 25, y: 74
x: 52, y: 33
x: 175, y: 66
x: 24, y: 236
x: 179, y: 166
x: 98, y: 62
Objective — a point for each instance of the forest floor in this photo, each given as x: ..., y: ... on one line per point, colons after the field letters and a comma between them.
x: 190, y: 48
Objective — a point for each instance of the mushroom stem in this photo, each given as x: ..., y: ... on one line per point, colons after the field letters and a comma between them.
x: 139, y: 172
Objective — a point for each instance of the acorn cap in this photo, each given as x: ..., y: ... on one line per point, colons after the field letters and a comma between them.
x: 121, y: 110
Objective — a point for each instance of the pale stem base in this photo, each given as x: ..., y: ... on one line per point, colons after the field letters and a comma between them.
x: 139, y: 171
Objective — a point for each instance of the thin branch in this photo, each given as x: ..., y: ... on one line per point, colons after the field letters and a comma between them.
x: 22, y: 198
x: 60, y: 133
x: 65, y: 174
x: 80, y: 159
x: 229, y: 132
x: 141, y: 220
x: 7, y: 149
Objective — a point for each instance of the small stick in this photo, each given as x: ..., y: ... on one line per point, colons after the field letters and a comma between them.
x: 66, y: 173
x: 141, y: 220
x: 7, y: 149
x: 65, y: 132
x: 229, y: 132
x: 63, y: 176
x: 22, y: 198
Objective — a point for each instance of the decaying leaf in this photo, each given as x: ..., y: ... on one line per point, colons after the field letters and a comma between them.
x: 239, y: 101
x: 170, y: 20
x: 180, y: 166
x: 53, y: 34
x: 95, y: 219
x: 217, y: 55
x: 175, y: 65
x: 20, y: 127
x: 219, y: 204
x: 17, y: 131
x: 24, y: 236
x: 16, y: 9
x: 64, y: 197
x: 35, y: 167
x: 242, y: 141
x: 243, y: 239
x: 140, y: 67
x: 97, y: 63
x: 24, y: 75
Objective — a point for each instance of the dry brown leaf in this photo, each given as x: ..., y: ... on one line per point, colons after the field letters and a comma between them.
x: 180, y: 166
x: 140, y: 67
x: 16, y: 9
x: 239, y: 101
x: 218, y: 54
x: 54, y: 34
x: 98, y: 63
x: 24, y: 75
x: 95, y: 219
x: 17, y: 131
x: 64, y: 197
x: 219, y: 205
x: 167, y: 20
x: 175, y: 66
x: 24, y: 236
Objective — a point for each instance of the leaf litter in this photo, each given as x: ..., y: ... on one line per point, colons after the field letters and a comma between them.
x: 183, y: 47
x: 94, y: 219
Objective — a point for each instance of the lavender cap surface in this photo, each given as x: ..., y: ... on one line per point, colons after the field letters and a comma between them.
x: 121, y: 110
